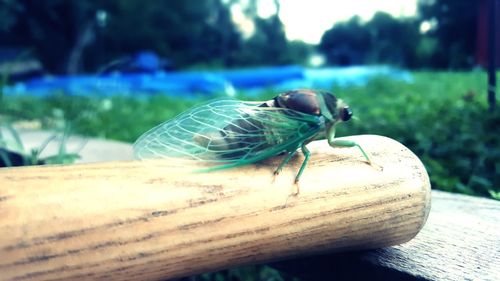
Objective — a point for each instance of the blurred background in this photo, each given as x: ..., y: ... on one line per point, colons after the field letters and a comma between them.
x: 419, y: 71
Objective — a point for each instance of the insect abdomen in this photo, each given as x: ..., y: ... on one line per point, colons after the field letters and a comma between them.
x: 256, y: 131
x: 245, y: 137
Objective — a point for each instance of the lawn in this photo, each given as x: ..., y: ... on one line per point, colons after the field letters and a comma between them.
x: 441, y: 116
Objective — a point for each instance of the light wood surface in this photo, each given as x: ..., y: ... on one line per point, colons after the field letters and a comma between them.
x: 460, y: 241
x: 152, y: 220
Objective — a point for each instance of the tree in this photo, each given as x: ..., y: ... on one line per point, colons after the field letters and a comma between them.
x: 268, y: 44
x: 455, y: 31
x: 346, y: 43
x: 187, y: 32
x: 83, y: 36
x: 52, y: 28
x: 394, y: 41
x: 383, y: 39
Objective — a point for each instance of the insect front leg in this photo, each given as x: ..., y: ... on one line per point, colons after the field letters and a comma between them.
x: 348, y: 143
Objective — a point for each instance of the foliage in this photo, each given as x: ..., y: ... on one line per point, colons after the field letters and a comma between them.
x: 185, y: 31
x: 444, y: 123
x: 118, y: 118
x: 248, y: 273
x: 346, y: 43
x: 450, y: 42
x: 267, y: 45
x: 455, y: 31
x: 383, y: 39
x: 395, y: 41
x: 76, y: 36
x: 50, y: 27
x: 13, y: 151
x: 188, y: 32
x: 82, y: 36
x: 441, y: 117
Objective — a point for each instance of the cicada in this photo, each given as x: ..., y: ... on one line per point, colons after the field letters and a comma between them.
x: 232, y: 133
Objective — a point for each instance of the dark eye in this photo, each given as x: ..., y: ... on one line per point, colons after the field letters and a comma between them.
x: 346, y: 113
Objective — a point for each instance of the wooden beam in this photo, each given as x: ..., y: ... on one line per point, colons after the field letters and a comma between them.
x: 155, y: 220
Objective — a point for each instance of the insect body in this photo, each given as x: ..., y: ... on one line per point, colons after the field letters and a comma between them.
x: 231, y: 133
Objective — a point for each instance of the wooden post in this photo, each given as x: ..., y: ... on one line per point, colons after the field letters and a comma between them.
x: 154, y: 220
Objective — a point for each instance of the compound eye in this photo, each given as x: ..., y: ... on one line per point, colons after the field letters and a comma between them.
x: 346, y: 113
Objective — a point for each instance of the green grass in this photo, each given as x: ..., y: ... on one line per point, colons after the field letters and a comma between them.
x: 441, y: 116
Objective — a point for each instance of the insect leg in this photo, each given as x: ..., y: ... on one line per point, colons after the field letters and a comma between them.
x: 306, y: 153
x: 348, y: 143
x: 285, y: 161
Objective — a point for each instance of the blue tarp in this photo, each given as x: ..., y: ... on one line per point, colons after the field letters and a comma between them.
x: 326, y: 78
x: 205, y: 82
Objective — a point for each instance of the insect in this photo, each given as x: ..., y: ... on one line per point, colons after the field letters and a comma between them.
x: 231, y: 133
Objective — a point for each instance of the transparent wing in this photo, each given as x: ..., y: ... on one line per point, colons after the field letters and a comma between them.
x: 228, y: 132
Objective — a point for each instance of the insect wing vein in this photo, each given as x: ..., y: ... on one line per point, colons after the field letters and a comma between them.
x: 227, y: 132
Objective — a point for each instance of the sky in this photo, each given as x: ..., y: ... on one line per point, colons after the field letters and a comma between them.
x: 307, y: 20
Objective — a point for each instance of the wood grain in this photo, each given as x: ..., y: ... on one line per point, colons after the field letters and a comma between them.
x: 460, y: 241
x: 154, y: 220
